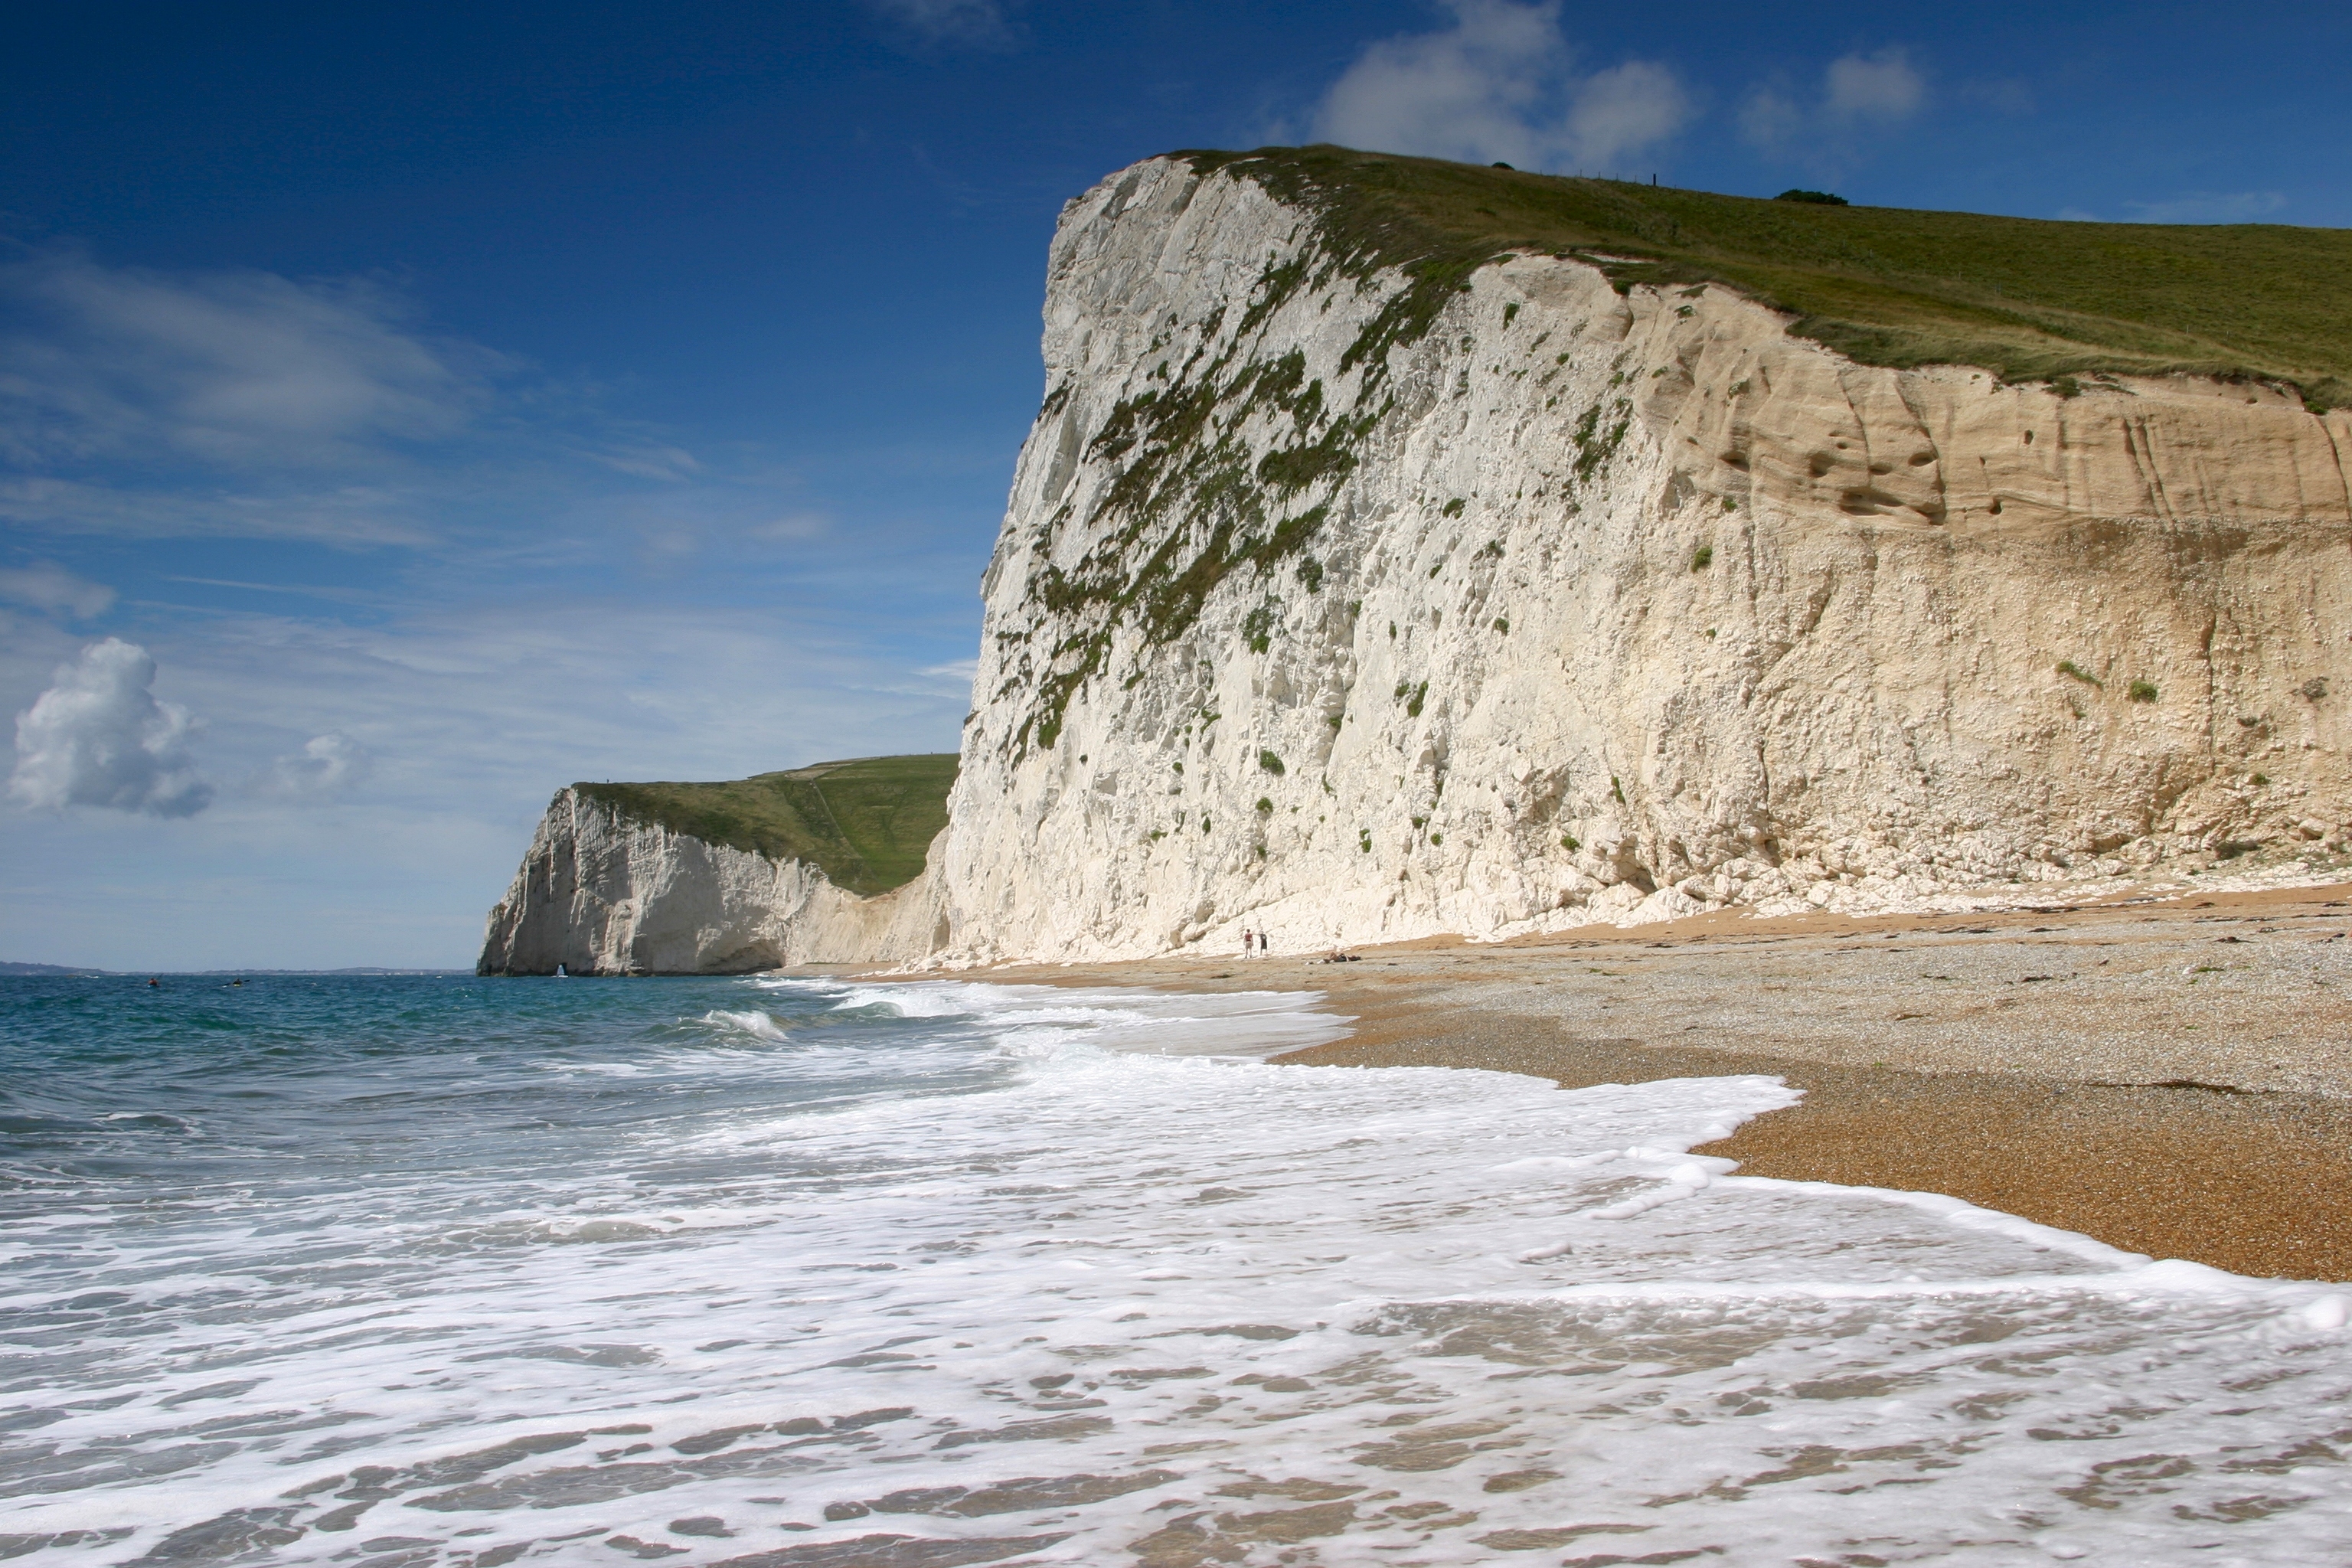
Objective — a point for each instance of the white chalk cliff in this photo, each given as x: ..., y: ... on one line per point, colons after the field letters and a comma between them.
x: 604, y: 892
x: 1575, y: 606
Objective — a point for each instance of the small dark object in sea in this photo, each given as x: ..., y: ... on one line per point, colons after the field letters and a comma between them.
x: 1818, y: 198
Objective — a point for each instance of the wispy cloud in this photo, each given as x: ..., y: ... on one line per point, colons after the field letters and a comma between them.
x: 790, y: 527
x: 356, y: 515
x: 98, y: 737
x: 1500, y: 85
x: 233, y: 369
x: 1881, y: 87
x: 2193, y: 207
x: 326, y: 768
x: 241, y: 405
x: 967, y: 24
x: 1824, y: 127
x: 471, y: 716
x: 462, y: 709
x: 47, y: 585
x: 233, y: 404
x: 650, y: 461
x: 2002, y: 95
x: 2210, y: 207
x: 390, y: 713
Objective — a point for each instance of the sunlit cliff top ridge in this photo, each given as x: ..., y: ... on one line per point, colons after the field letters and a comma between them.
x: 2029, y: 298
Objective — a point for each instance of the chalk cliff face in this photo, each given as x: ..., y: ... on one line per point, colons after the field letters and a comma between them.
x: 1345, y: 611
x: 600, y: 892
x: 1581, y: 605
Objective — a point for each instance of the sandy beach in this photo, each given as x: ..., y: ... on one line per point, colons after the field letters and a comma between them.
x: 2170, y: 1075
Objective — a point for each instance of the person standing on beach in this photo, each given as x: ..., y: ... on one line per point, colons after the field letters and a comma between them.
x: 1248, y: 950
x: 1261, y: 944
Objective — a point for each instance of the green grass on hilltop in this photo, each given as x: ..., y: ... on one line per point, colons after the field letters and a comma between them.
x: 865, y: 823
x: 2027, y: 298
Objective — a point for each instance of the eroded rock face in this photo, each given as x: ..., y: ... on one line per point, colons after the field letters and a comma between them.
x: 1319, y: 614
x: 1581, y: 605
x: 602, y: 893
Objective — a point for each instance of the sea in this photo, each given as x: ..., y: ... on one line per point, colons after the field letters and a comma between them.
x: 802, y: 1273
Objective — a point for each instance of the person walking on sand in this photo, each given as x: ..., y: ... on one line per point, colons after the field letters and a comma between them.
x: 1261, y: 944
x: 1248, y: 940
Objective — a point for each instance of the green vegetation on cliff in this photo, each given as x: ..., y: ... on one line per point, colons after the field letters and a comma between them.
x: 864, y: 823
x: 2028, y: 298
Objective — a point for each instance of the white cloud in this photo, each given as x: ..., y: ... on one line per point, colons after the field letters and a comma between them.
x: 326, y: 768
x: 1860, y: 94
x: 98, y: 737
x: 136, y: 403
x: 792, y: 527
x: 49, y: 586
x: 2209, y: 206
x: 1770, y: 117
x: 651, y: 461
x: 237, y: 369
x: 473, y: 712
x: 461, y: 709
x: 1465, y: 94
x: 1499, y: 86
x: 1874, y: 87
x: 1624, y: 109
x: 2002, y: 95
x: 971, y: 23
x: 353, y: 514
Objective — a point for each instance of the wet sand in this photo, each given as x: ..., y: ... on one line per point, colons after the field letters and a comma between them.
x: 2173, y: 1077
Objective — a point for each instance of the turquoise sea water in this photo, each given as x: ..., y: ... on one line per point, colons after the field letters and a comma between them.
x: 781, y: 1273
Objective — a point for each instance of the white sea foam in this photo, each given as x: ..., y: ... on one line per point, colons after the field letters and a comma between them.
x: 1247, y: 1024
x: 1168, y: 1303
x: 761, y: 1024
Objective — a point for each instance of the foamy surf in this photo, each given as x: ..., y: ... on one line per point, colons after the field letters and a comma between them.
x: 1251, y: 1025
x: 760, y: 1026
x: 1091, y: 1305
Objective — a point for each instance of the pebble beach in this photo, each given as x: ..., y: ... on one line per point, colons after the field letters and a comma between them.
x: 2171, y: 1075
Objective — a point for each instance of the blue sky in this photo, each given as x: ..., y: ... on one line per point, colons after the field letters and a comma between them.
x: 455, y: 401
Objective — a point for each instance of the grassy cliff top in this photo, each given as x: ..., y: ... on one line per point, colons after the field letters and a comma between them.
x: 2026, y: 298
x: 864, y: 823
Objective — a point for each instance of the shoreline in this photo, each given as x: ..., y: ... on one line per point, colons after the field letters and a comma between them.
x: 2171, y: 1077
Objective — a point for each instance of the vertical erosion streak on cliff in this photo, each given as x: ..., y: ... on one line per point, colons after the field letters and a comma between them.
x: 1353, y: 602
